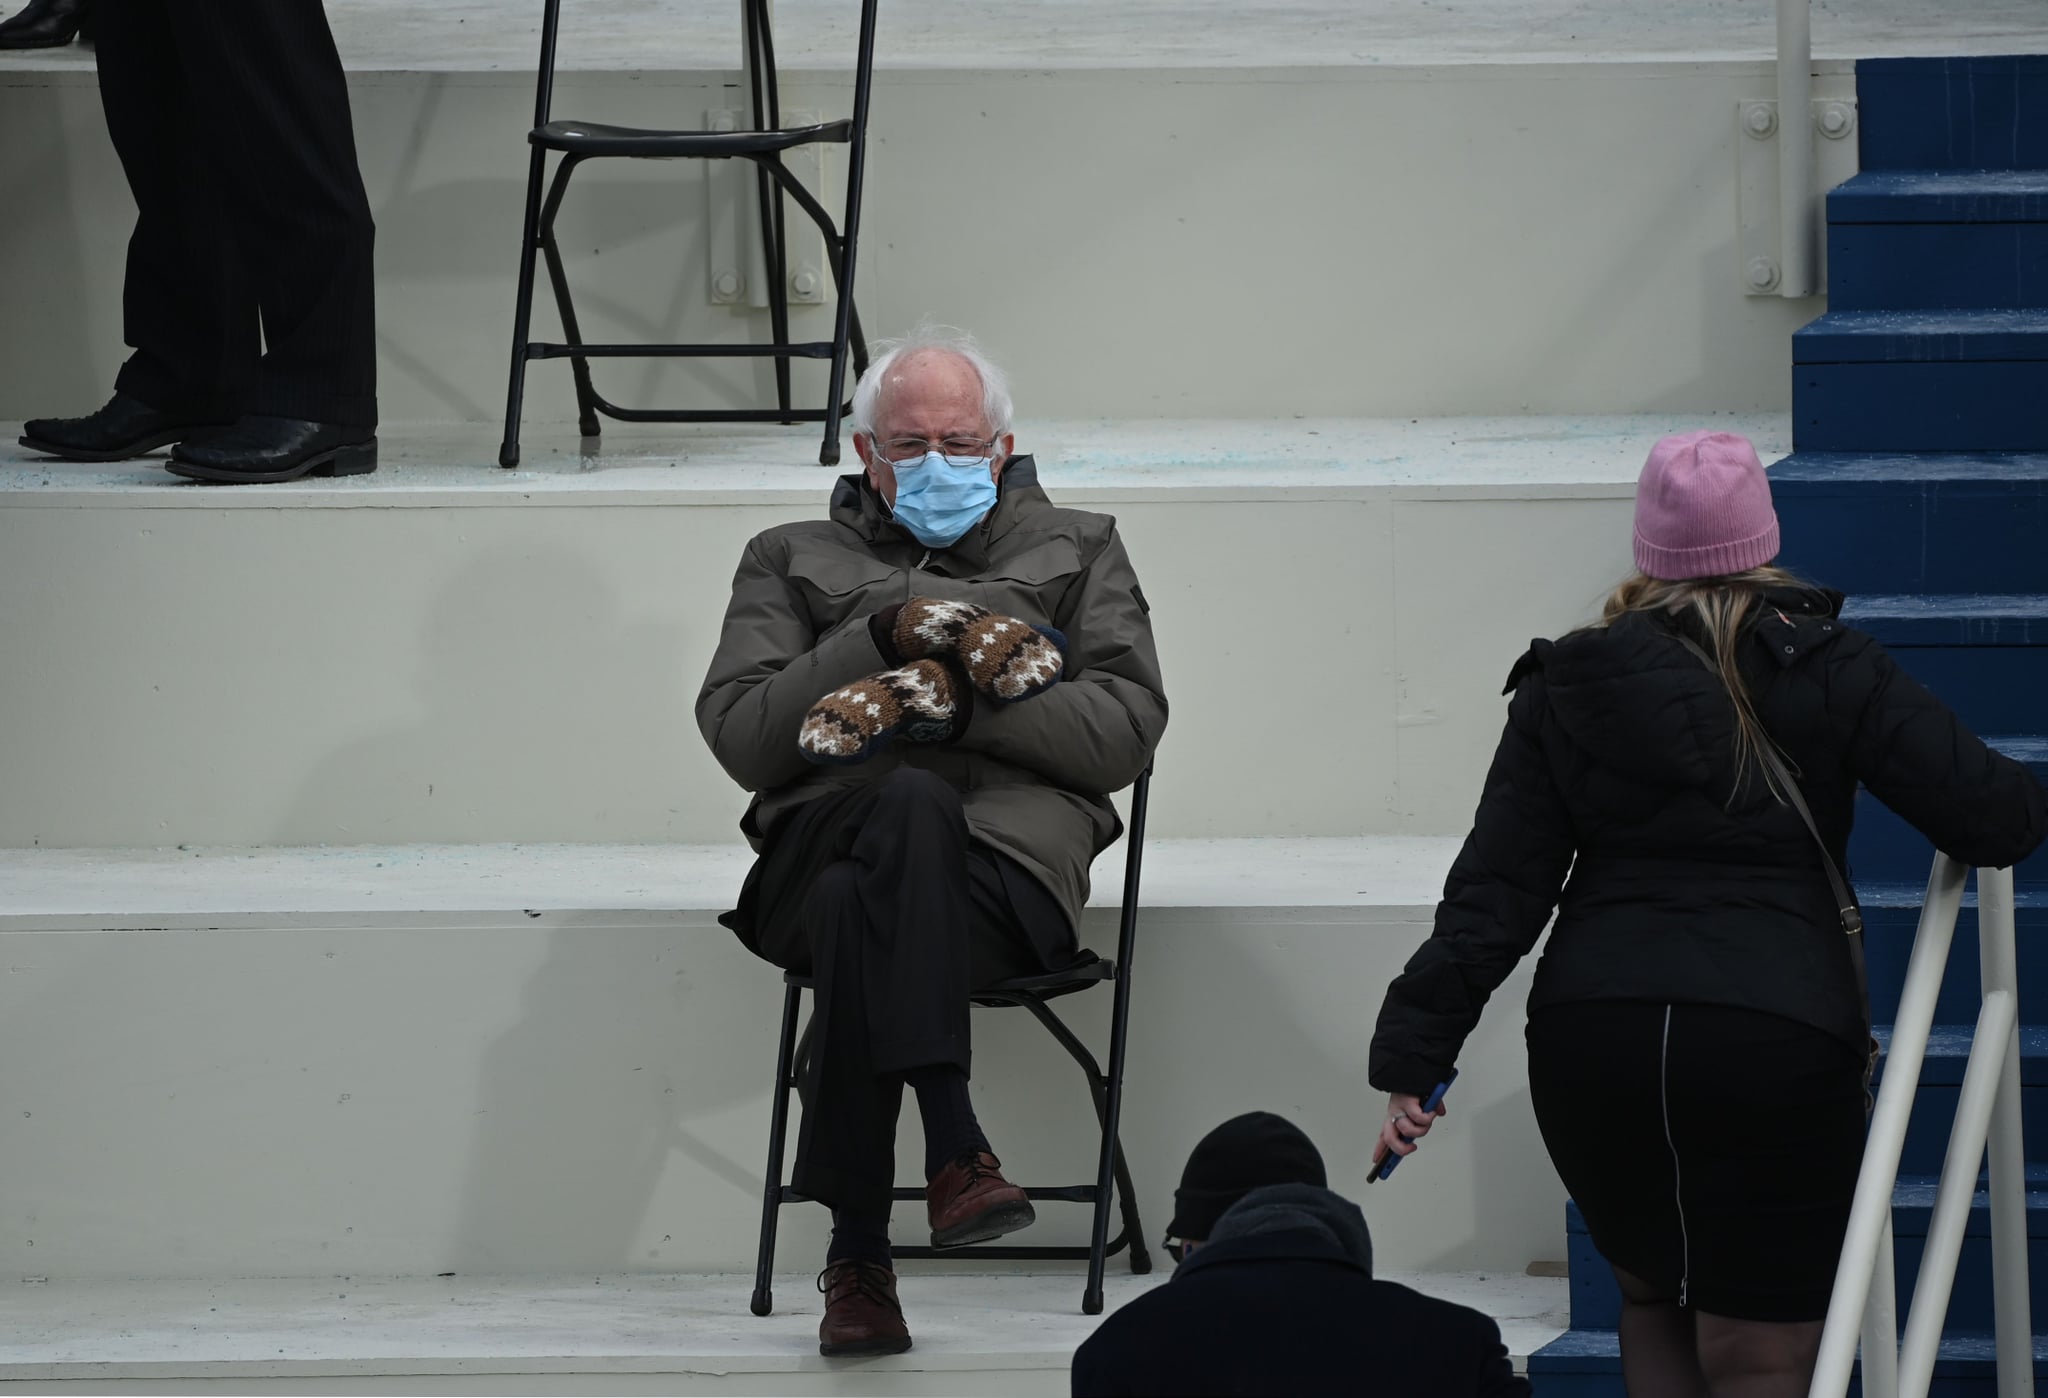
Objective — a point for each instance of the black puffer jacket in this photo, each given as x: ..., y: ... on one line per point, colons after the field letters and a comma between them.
x: 1617, y: 766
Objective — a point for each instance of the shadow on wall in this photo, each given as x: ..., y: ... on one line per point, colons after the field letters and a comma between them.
x: 500, y: 729
x: 586, y: 1102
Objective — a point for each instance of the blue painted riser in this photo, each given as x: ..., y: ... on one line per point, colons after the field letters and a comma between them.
x: 1891, y: 916
x: 1921, y: 381
x: 1596, y: 1303
x: 1987, y: 657
x: 1587, y: 1364
x: 1890, y: 523
x: 1912, y: 266
x: 1885, y: 848
x: 1953, y: 114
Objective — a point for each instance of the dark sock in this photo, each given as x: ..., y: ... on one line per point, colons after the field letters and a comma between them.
x: 950, y: 1130
x: 858, y: 1236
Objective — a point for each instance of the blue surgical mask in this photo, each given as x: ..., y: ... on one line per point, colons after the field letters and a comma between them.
x: 939, y: 498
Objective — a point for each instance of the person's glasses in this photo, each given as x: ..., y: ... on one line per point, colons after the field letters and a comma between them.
x: 1175, y: 1249
x: 957, y: 451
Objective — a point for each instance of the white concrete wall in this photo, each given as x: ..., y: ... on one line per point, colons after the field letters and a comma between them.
x: 1379, y: 241
x: 588, y: 1093
x: 300, y: 676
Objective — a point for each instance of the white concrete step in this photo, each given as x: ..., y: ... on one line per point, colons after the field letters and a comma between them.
x: 377, y: 1062
x: 1505, y: 243
x: 449, y: 653
x: 673, y: 1334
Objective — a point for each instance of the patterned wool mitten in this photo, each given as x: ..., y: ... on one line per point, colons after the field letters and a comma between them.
x: 1004, y: 658
x: 920, y: 703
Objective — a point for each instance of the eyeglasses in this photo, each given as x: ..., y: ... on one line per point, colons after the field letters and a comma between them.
x: 957, y: 451
x: 1175, y: 1249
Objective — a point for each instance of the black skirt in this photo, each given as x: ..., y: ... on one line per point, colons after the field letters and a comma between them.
x: 1713, y: 1151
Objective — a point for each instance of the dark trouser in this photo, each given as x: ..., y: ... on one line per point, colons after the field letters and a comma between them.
x: 880, y: 895
x: 249, y: 283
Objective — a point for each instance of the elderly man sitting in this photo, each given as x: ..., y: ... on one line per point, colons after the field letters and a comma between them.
x: 931, y: 694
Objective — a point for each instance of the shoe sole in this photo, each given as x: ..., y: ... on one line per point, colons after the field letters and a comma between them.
x: 864, y: 1349
x: 140, y: 447
x: 355, y: 459
x: 998, y: 1222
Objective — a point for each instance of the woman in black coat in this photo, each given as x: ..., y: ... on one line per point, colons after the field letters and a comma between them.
x: 1698, y: 1034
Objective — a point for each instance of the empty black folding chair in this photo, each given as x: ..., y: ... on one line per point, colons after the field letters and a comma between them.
x: 764, y: 145
x: 1112, y: 1179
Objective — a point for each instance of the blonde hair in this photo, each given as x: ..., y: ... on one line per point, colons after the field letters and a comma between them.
x: 1723, y: 606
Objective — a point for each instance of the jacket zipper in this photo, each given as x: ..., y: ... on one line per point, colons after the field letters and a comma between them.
x: 1677, y: 1179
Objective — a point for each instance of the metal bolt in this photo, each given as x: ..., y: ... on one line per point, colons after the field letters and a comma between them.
x: 1760, y: 119
x: 804, y: 283
x: 1837, y: 120
x: 1762, y: 273
x: 726, y: 285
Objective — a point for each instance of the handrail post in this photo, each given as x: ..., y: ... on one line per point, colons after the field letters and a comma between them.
x: 1996, y: 1024
x: 1796, y: 229
x: 1881, y: 1323
x: 1996, y: 938
x: 1870, y: 1212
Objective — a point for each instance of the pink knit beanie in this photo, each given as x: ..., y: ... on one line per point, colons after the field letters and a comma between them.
x: 1703, y: 508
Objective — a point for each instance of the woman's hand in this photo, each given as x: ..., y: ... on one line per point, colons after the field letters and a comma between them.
x: 1405, y: 1126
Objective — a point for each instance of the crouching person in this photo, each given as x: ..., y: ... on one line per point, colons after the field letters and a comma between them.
x: 1275, y: 1294
x: 931, y: 694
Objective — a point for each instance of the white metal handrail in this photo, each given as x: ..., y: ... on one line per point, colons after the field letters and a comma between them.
x: 1865, y: 1282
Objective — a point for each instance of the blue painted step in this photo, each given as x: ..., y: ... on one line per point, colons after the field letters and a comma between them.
x: 1587, y: 1364
x: 1970, y: 1303
x: 1891, y: 523
x: 1953, y: 113
x: 1922, y: 381
x: 1596, y: 1302
x: 1940, y: 196
x: 1941, y: 1081
x: 1891, y: 916
x: 1987, y: 657
x: 1884, y: 847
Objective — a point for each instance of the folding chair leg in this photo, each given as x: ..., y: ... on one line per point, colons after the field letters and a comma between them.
x: 778, y: 1128
x: 856, y: 176
x: 775, y: 257
x: 565, y: 304
x: 1112, y: 1126
x: 522, y: 315
x: 1127, y: 1199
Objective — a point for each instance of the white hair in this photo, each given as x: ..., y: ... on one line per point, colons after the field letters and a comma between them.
x: 995, y: 384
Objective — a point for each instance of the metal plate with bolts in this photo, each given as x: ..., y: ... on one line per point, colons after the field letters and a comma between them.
x: 1756, y: 191
x: 737, y: 272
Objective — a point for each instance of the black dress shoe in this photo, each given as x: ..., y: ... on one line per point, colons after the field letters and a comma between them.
x: 47, y: 24
x: 266, y: 449
x: 126, y: 427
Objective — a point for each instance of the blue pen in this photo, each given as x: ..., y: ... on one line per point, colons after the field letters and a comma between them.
x: 1436, y: 1099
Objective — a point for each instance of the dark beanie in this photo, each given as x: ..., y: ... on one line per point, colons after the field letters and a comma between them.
x: 1245, y: 1153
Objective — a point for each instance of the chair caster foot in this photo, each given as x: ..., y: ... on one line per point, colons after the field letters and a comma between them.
x: 763, y: 1303
x: 829, y: 456
x: 588, y: 427
x: 1141, y: 1262
x: 1091, y: 1303
x: 508, y: 456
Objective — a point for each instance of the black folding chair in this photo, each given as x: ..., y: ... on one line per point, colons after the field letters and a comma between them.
x: 764, y: 145
x: 1112, y: 1178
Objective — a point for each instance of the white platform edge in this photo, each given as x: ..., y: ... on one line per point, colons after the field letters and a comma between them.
x: 1084, y: 463
x: 692, y: 1324
x: 194, y: 887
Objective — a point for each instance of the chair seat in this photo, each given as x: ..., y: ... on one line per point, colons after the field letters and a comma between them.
x: 594, y: 138
x: 1087, y: 969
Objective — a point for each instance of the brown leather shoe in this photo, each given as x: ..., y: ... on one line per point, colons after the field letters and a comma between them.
x: 970, y: 1202
x: 862, y: 1314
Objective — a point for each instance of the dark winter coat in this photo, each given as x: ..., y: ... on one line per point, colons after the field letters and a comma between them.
x: 1035, y: 777
x: 1617, y: 767
x: 1281, y: 1300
